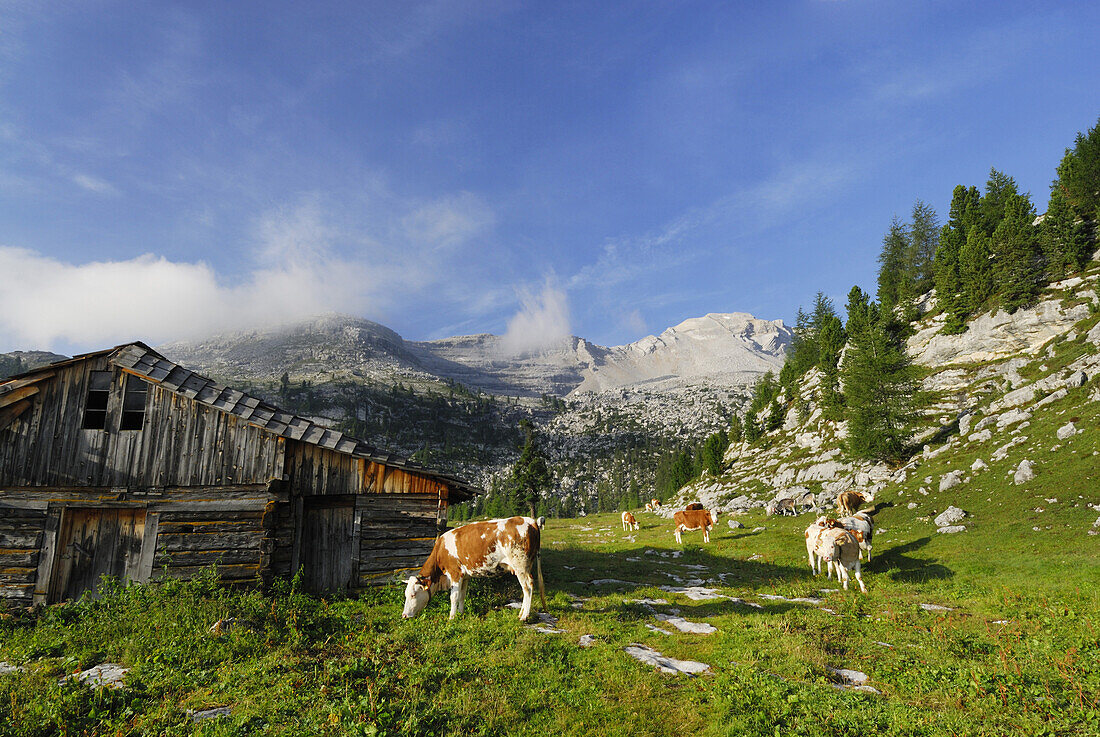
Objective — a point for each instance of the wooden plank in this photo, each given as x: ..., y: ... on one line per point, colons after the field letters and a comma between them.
x: 8, y: 415
x: 47, y: 556
x: 10, y: 386
x: 225, y: 572
x: 148, y: 548
x: 296, y: 549
x: 228, y: 541
x: 17, y: 591
x: 192, y: 558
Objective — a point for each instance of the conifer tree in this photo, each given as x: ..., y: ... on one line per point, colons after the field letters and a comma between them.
x: 879, y: 384
x: 975, y: 270
x: 892, y: 277
x: 1079, y: 177
x: 530, y: 477
x: 1063, y: 238
x: 998, y: 190
x: 924, y: 239
x: 1017, y: 263
x: 948, y: 281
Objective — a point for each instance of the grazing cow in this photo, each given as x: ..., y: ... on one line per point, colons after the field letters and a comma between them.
x: 648, y: 507
x: 694, y: 519
x: 862, y: 523
x: 656, y: 504
x: 629, y: 523
x: 477, y: 549
x: 780, y: 507
x: 813, y: 535
x: 840, y: 547
x: 848, y: 502
x: 694, y: 505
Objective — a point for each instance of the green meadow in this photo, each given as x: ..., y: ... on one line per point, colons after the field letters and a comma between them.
x: 1015, y: 650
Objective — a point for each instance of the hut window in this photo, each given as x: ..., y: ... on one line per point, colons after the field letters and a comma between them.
x: 95, y: 408
x: 133, y: 404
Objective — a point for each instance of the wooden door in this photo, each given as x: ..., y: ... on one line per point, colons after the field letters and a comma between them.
x: 93, y: 543
x: 328, y: 543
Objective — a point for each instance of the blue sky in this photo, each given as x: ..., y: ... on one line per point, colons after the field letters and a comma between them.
x: 602, y: 169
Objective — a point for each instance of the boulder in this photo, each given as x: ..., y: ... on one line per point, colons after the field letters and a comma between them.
x: 1067, y: 430
x: 1051, y: 398
x: 951, y: 529
x: 950, y: 480
x: 981, y: 436
x: 912, y: 505
x: 1014, y: 398
x: 1024, y: 472
x: 1076, y: 379
x: 734, y: 524
x: 821, y: 471
x: 949, y: 516
x: 978, y: 465
x: 964, y: 423
x: 1012, y: 417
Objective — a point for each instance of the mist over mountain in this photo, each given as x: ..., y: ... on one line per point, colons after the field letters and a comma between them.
x: 729, y: 349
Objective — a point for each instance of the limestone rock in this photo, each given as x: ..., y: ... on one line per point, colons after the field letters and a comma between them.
x: 964, y: 423
x: 950, y: 480
x: 1077, y: 379
x: 1012, y: 417
x: 108, y: 675
x: 912, y: 505
x: 734, y: 524
x: 1024, y: 472
x: 981, y: 436
x: 978, y: 465
x: 1051, y: 398
x: 951, y: 529
x: 1067, y: 430
x: 950, y: 516
x: 996, y: 335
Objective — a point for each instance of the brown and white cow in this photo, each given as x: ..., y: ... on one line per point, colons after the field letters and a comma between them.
x: 694, y: 519
x: 629, y: 523
x: 863, y: 523
x: 813, y: 536
x: 848, y: 502
x: 840, y: 548
x: 478, y: 549
x: 694, y: 505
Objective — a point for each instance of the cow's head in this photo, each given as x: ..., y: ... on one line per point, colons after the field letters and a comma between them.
x: 417, y: 594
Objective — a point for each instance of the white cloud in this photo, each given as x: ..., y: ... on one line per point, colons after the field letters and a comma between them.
x: 93, y: 184
x: 298, y: 268
x: 542, y: 322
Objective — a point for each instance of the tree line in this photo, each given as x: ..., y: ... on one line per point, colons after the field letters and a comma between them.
x: 993, y: 251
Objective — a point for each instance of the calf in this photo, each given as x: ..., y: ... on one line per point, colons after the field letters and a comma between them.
x: 813, y: 536
x: 862, y: 523
x: 840, y: 547
x: 474, y: 550
x: 694, y: 519
x: 649, y: 507
x: 629, y: 523
x: 656, y: 504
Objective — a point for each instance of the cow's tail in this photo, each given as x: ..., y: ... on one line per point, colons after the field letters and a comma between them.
x: 541, y: 522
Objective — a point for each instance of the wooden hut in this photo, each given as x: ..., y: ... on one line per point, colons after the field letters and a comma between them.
x: 121, y: 462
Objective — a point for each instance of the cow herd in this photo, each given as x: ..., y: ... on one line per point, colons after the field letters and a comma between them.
x: 514, y: 544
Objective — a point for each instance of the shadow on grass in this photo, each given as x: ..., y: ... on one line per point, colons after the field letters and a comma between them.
x: 903, y: 568
x: 633, y: 569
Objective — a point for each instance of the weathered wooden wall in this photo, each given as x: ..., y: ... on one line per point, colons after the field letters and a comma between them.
x: 182, y: 442
x: 397, y: 532
x: 183, y: 531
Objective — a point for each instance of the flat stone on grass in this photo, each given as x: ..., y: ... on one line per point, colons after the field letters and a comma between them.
x: 664, y: 664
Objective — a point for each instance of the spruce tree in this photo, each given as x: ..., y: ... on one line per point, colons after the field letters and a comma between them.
x: 530, y: 477
x: 1017, y: 262
x: 975, y: 270
x: 998, y: 190
x: 879, y: 384
x: 1063, y: 238
x: 948, y: 281
x: 1079, y: 177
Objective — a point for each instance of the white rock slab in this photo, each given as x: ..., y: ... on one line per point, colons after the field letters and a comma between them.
x: 951, y: 529
x: 215, y: 713
x: 691, y: 628
x: 936, y: 608
x: 109, y: 675
x: 662, y: 663
x: 587, y: 640
x: 950, y: 516
x: 613, y: 582
x: 655, y: 628
x: 1024, y: 472
x: 1067, y: 430
x: 6, y: 668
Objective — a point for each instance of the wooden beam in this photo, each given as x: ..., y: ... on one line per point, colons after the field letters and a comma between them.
x: 20, y: 383
x: 9, y: 414
x: 10, y: 398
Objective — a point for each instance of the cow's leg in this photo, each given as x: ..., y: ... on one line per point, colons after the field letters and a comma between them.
x: 706, y: 534
x: 859, y: 579
x: 842, y: 574
x: 868, y: 553
x: 458, y: 594
x: 677, y: 533
x: 528, y: 587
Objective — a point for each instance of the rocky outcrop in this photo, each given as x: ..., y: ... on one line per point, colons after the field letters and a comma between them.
x: 996, y: 335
